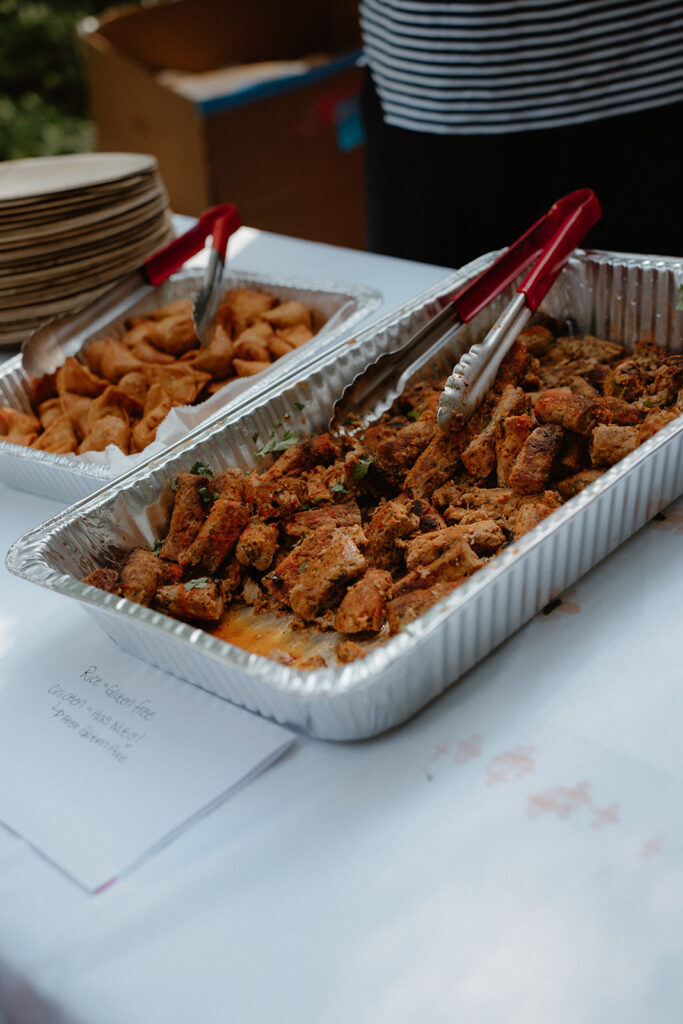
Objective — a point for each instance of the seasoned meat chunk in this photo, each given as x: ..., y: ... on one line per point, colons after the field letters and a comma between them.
x: 396, y: 454
x: 362, y: 607
x: 429, y: 518
x: 609, y: 444
x: 189, y: 512
x: 198, y: 600
x: 257, y: 544
x: 349, y: 650
x: 390, y: 523
x: 140, y: 576
x: 456, y: 562
x: 408, y: 607
x: 479, y: 457
x: 322, y: 580
x: 536, y: 339
x: 275, y: 499
x: 232, y: 482
x: 511, y: 434
x: 437, y: 462
x: 316, y: 451
x: 217, y: 535
x: 616, y: 410
x: 103, y: 579
x: 572, y: 485
x: 573, y: 412
x: 301, y: 523
x: 655, y: 420
x: 531, y: 511
x: 535, y: 461
x: 626, y: 380
x: 280, y: 580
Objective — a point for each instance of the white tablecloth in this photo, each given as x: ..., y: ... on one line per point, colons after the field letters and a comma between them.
x: 514, y: 853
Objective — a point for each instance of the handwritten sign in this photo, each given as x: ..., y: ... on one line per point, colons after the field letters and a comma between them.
x: 108, y: 757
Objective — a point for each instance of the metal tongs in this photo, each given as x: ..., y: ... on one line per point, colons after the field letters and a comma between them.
x: 550, y: 241
x: 48, y: 347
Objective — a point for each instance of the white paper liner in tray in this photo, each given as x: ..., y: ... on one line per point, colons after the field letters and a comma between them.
x: 610, y: 295
x: 336, y: 308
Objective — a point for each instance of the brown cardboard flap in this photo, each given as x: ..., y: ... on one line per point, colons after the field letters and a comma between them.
x: 200, y: 35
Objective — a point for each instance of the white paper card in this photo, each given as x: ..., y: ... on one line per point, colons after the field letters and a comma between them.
x: 103, y: 757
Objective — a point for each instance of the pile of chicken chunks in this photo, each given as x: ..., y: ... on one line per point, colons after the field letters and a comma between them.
x: 361, y: 533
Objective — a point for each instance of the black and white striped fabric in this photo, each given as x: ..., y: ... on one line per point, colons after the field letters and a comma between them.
x: 499, y: 67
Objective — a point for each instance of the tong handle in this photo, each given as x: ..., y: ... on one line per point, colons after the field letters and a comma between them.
x: 567, y: 219
x: 568, y: 231
x: 226, y: 221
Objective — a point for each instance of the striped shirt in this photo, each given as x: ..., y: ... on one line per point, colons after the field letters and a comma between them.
x: 505, y: 66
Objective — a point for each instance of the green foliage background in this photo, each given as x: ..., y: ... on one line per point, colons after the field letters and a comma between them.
x: 43, y: 95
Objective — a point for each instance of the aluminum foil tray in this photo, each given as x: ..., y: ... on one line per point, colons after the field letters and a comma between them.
x: 611, y: 295
x: 336, y: 309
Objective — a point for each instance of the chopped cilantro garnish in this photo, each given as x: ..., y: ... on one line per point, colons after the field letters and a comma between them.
x: 414, y: 414
x: 338, y: 489
x: 276, y: 426
x: 157, y: 545
x: 362, y: 466
x: 198, y: 584
x: 298, y: 405
x: 173, y: 483
x: 201, y: 469
x: 289, y: 438
x: 647, y: 403
x: 206, y: 495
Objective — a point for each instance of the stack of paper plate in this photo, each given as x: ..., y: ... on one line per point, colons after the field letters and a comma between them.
x: 69, y: 227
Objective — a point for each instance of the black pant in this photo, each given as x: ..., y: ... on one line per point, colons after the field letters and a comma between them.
x: 446, y: 199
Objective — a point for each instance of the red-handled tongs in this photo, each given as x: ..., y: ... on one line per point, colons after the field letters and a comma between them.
x: 48, y: 347
x: 550, y: 241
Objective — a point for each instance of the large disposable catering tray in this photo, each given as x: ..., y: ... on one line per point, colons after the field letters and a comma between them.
x: 611, y: 295
x: 337, y: 308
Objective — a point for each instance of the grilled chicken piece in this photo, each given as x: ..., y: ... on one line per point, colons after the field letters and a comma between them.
x: 280, y: 580
x: 456, y: 562
x: 408, y: 607
x: 536, y: 460
x: 626, y: 380
x: 275, y: 499
x: 485, y: 537
x: 429, y: 518
x: 565, y: 409
x: 572, y: 485
x: 199, y: 600
x: 316, y: 451
x: 302, y: 523
x: 322, y: 580
x: 479, y: 457
x: 531, y: 511
x: 609, y: 444
x: 390, y: 523
x: 437, y: 462
x: 217, y: 535
x: 257, y: 544
x: 103, y: 579
x: 616, y: 410
x: 655, y: 420
x: 362, y: 607
x: 349, y: 650
x: 189, y: 512
x: 396, y: 454
x: 140, y: 576
x: 511, y: 434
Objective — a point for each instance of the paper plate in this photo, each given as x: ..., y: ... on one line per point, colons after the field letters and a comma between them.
x: 36, y: 177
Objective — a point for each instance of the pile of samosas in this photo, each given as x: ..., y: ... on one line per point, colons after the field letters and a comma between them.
x: 120, y: 390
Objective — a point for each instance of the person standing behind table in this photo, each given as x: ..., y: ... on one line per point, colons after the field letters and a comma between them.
x: 478, y: 116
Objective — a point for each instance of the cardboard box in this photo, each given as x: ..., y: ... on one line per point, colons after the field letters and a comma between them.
x: 287, y: 150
